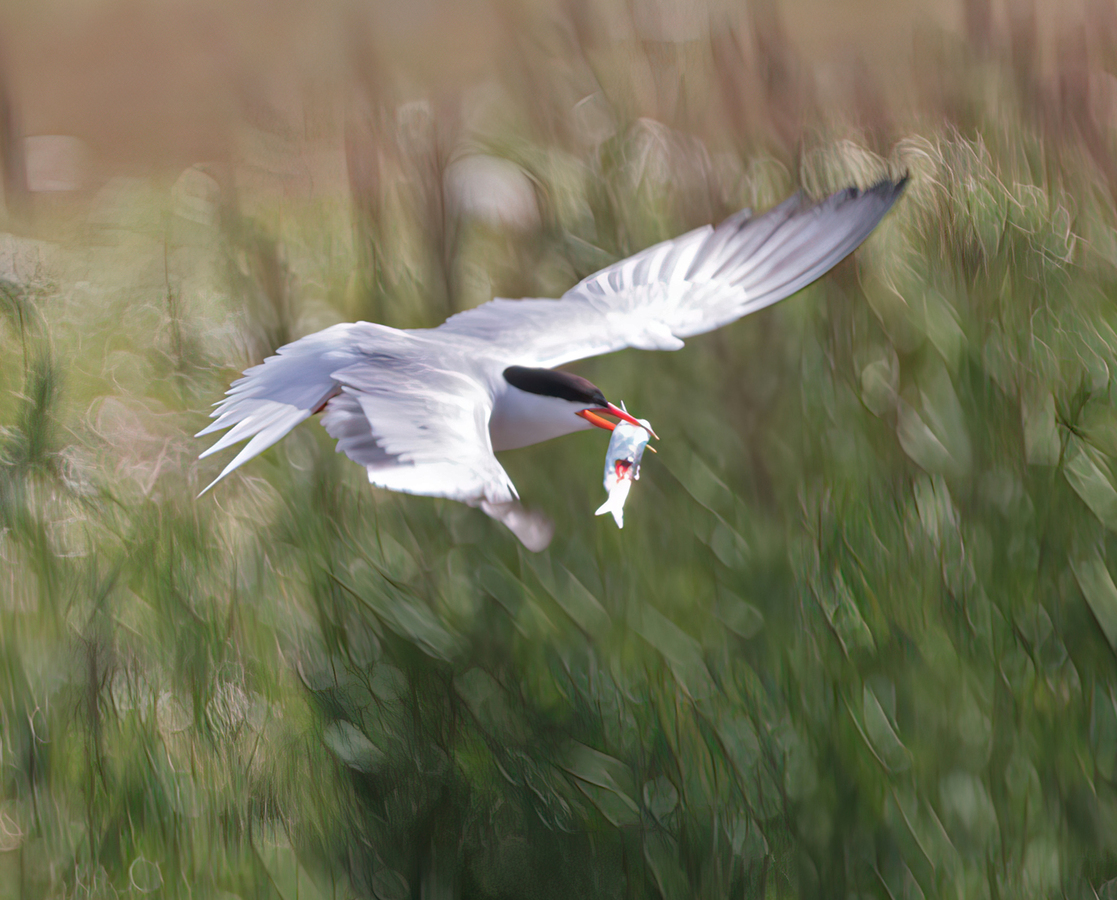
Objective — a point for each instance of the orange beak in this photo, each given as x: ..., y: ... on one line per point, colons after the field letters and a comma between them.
x: 594, y: 419
x: 592, y: 416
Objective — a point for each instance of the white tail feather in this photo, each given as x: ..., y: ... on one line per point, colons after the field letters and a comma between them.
x: 279, y: 421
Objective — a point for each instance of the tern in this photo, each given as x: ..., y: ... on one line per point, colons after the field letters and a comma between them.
x: 425, y: 410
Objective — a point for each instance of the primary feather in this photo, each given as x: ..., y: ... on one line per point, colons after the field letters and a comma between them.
x: 695, y: 283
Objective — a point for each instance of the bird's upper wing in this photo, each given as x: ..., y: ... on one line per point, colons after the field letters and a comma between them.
x: 400, y: 405
x: 695, y: 283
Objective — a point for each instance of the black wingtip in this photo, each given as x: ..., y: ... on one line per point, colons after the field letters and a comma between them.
x: 887, y: 191
x: 883, y: 186
x: 890, y: 188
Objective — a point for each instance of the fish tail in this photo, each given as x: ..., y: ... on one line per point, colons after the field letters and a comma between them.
x: 614, y: 505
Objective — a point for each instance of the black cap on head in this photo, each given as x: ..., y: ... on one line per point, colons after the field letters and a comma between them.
x: 554, y: 383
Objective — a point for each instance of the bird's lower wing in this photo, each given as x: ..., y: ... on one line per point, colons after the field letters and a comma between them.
x: 695, y: 283
x: 418, y: 428
x: 272, y: 398
x: 424, y: 430
x: 395, y: 405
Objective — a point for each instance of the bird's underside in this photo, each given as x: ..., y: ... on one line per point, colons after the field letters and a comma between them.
x: 420, y: 409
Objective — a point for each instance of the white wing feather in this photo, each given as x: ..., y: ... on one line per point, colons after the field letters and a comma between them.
x: 427, y: 428
x: 405, y: 410
x: 695, y: 283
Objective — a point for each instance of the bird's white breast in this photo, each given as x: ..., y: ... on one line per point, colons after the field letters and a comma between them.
x: 520, y: 419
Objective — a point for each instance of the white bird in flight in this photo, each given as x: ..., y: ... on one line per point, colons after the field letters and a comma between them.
x: 424, y: 410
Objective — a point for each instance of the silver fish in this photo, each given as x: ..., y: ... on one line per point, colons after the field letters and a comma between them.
x: 622, y: 466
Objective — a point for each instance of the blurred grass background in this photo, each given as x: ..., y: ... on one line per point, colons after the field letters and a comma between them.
x: 857, y: 638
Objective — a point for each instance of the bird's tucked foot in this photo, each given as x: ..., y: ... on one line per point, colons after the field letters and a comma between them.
x: 532, y: 527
